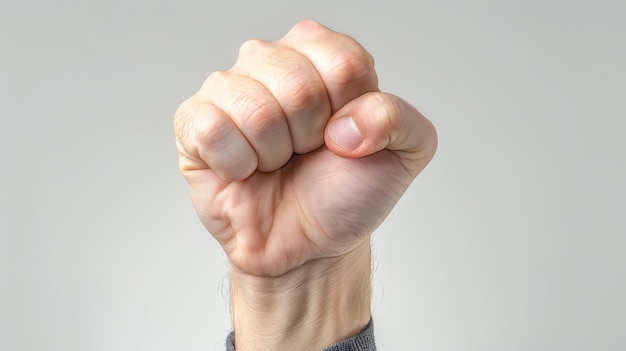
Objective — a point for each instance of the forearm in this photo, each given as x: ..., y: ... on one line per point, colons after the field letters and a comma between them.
x: 318, y: 304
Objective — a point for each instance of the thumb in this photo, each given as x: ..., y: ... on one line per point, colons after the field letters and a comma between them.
x: 376, y: 121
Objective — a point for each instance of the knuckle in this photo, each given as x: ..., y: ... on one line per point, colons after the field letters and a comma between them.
x: 387, y: 110
x: 300, y: 91
x: 309, y: 26
x: 212, y: 80
x: 260, y: 117
x: 251, y: 47
x: 199, y: 123
x: 212, y: 132
x: 349, y: 66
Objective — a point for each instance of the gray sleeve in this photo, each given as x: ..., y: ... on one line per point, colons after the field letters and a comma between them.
x: 363, y: 341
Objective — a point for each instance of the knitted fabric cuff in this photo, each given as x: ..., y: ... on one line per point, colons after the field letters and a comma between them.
x: 363, y: 341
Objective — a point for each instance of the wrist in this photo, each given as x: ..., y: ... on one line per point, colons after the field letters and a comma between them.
x: 311, y: 307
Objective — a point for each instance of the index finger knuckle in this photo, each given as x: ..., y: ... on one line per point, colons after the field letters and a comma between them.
x: 349, y: 66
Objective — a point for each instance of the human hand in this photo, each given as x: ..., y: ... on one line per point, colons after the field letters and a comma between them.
x: 294, y: 155
x: 277, y: 173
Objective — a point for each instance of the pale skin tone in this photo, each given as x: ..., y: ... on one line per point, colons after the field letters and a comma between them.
x: 293, y: 158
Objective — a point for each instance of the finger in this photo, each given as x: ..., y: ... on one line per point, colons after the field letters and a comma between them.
x: 295, y: 84
x: 207, y: 138
x: 255, y: 112
x: 345, y: 67
x: 377, y: 121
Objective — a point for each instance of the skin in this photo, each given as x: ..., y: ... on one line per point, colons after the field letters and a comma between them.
x: 293, y: 158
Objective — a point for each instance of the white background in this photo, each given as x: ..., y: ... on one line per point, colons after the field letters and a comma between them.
x: 514, y: 238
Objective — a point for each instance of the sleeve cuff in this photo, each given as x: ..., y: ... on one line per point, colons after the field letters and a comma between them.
x: 363, y: 341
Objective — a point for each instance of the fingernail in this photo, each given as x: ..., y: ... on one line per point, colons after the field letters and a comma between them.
x: 345, y: 133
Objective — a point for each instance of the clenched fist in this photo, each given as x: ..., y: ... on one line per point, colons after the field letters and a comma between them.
x: 294, y: 156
